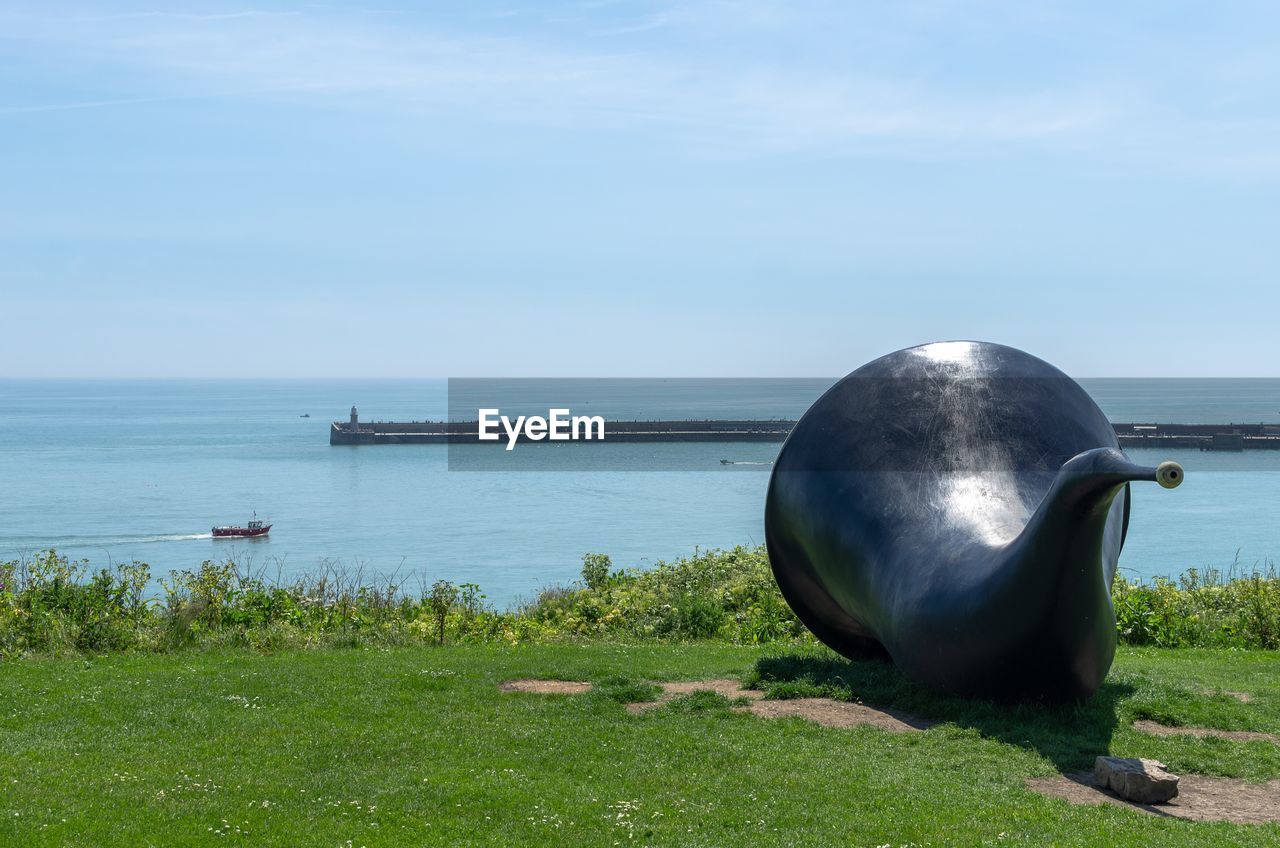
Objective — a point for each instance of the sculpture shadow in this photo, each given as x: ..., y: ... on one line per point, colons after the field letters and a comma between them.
x: 1070, y: 736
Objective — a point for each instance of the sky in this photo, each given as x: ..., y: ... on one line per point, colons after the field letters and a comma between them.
x: 704, y: 188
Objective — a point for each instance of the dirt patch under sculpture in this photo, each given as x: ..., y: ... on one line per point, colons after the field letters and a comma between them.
x: 731, y: 689
x: 1157, y: 729
x: 1199, y: 798
x: 825, y: 711
x: 546, y: 687
x: 832, y: 713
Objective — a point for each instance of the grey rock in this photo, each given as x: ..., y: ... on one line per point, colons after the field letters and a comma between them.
x: 1137, y: 780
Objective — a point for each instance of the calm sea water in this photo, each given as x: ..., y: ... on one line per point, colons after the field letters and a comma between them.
x: 121, y: 470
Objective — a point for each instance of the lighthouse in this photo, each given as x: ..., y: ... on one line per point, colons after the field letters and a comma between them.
x: 355, y: 420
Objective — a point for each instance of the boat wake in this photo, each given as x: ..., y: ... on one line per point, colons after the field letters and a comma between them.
x: 104, y: 541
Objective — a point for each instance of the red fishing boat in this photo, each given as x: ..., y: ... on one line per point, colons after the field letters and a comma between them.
x: 253, y: 528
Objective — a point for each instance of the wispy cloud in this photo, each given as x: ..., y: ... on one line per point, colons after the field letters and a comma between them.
x: 179, y: 16
x: 591, y: 83
x: 738, y: 77
x: 100, y: 104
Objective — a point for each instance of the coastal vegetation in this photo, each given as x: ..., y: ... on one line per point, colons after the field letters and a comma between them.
x: 51, y: 605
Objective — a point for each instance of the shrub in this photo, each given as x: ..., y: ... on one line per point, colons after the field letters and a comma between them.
x: 440, y: 603
x: 727, y: 594
x: 53, y: 604
x: 1201, y: 609
x: 595, y: 570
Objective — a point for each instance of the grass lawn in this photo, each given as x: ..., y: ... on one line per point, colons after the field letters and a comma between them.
x: 418, y: 746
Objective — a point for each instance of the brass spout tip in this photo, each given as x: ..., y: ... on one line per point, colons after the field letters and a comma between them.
x: 1169, y: 474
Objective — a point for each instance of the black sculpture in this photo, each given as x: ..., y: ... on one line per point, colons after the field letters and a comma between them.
x: 961, y: 506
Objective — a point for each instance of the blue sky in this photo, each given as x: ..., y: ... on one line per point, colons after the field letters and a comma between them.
x: 620, y: 189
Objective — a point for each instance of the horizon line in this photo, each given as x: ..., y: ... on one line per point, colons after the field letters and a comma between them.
x: 193, y: 379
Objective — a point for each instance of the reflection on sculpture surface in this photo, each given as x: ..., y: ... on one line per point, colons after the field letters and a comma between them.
x: 961, y: 506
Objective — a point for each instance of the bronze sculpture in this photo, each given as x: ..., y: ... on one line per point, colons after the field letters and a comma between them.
x: 960, y: 506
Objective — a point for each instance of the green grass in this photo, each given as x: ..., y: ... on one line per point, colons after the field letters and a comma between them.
x: 413, y: 746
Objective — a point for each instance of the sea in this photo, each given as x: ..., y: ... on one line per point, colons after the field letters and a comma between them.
x: 121, y: 470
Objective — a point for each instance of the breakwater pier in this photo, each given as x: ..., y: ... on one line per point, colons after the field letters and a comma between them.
x: 466, y: 432
x: 1217, y: 437
x: 1230, y: 437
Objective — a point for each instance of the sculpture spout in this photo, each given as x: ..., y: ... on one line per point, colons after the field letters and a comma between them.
x: 1097, y: 471
x: 1057, y: 574
x: 1080, y: 500
x: 1077, y: 521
